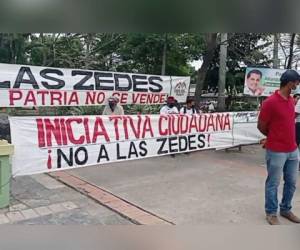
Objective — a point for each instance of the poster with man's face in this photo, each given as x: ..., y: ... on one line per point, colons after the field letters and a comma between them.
x: 262, y: 81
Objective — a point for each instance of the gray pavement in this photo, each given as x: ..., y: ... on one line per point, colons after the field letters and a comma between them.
x: 41, y: 200
x: 204, y: 187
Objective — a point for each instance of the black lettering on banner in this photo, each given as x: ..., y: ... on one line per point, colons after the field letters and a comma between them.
x: 68, y: 159
x: 61, y: 83
x: 98, y: 81
x: 137, y: 83
x: 119, y: 156
x: 201, y: 139
x: 143, y: 148
x: 117, y: 82
x: 79, y: 152
x: 20, y: 78
x: 132, y: 150
x: 152, y: 81
x: 80, y: 85
x: 5, y: 85
x: 191, y: 140
x: 183, y: 143
x: 102, y: 154
x: 163, y: 142
x: 172, y: 145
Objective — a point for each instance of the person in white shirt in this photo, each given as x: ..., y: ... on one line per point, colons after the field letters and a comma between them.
x: 297, y: 115
x: 211, y: 108
x: 113, y: 107
x: 170, y: 107
x: 190, y: 108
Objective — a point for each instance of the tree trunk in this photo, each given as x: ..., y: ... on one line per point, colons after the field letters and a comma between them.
x: 88, y: 42
x: 44, y: 49
x: 222, y: 72
x: 211, y: 45
x: 291, y: 54
x: 164, y: 56
x: 276, y: 61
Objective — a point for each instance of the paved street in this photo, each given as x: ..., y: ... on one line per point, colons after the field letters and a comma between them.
x: 201, y: 188
x: 39, y: 199
x: 204, y: 187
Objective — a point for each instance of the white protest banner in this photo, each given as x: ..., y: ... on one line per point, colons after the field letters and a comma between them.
x: 245, y: 128
x: 29, y: 86
x: 44, y: 144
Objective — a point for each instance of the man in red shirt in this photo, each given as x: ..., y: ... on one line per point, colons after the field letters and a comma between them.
x: 277, y: 121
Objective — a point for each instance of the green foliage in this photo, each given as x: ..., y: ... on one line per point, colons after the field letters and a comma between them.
x: 133, y: 52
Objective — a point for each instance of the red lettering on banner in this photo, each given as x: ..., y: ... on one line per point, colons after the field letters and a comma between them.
x: 93, y: 97
x: 116, y: 119
x: 79, y: 130
x: 136, y: 130
x: 14, y: 95
x: 125, y: 127
x: 193, y: 124
x: 41, y: 132
x: 211, y: 123
x: 135, y: 97
x: 124, y: 98
x: 161, y: 130
x: 43, y: 93
x: 63, y: 131
x: 56, y: 96
x: 52, y: 129
x: 90, y: 98
x: 70, y: 130
x: 202, y: 124
x: 143, y: 98
x: 73, y: 98
x: 99, y: 130
x: 182, y: 124
x: 175, y: 126
x: 30, y: 98
x: 148, y: 98
x: 227, y: 123
x: 87, y: 130
x: 147, y: 127
x: 163, y: 98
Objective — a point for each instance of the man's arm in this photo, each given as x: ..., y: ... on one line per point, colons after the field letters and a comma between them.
x: 262, y: 127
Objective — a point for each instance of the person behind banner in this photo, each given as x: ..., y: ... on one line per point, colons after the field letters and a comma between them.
x: 113, y: 107
x: 170, y: 107
x: 211, y: 107
x: 189, y: 108
x: 277, y: 122
x: 297, y: 120
x: 253, y: 83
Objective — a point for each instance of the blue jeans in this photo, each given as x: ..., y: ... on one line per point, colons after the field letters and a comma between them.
x: 278, y: 163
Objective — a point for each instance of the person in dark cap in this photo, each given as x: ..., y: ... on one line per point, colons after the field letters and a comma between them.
x: 277, y: 122
x: 170, y: 107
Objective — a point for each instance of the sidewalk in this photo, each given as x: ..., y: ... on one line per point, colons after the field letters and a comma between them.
x: 40, y: 199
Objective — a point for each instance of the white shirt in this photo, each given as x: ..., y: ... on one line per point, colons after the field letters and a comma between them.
x: 167, y: 110
x: 211, y: 107
x: 117, y: 111
x: 187, y: 111
x: 297, y: 110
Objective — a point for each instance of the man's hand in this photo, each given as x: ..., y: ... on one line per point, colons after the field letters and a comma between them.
x: 263, y: 142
